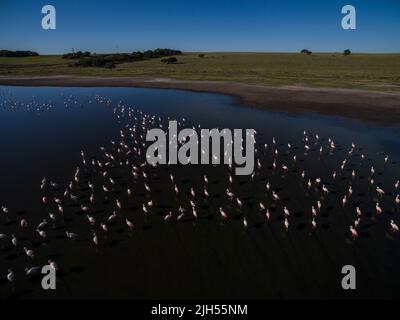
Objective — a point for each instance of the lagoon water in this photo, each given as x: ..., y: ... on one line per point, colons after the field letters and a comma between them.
x: 44, y: 129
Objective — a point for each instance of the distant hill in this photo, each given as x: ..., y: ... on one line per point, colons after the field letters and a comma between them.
x: 9, y: 53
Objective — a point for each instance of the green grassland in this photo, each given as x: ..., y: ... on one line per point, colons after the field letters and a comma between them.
x: 363, y: 71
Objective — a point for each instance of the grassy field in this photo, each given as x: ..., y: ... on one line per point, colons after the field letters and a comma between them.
x: 364, y: 71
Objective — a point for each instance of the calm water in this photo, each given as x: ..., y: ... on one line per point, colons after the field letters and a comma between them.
x: 43, y: 130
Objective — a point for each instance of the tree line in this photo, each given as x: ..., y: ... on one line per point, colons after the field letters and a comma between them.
x: 10, y: 54
x: 87, y: 59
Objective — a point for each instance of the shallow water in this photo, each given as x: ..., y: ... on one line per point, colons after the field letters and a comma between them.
x: 207, y: 257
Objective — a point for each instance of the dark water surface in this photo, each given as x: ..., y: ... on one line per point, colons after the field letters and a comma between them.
x: 43, y: 130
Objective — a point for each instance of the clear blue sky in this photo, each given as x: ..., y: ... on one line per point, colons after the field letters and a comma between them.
x: 200, y: 25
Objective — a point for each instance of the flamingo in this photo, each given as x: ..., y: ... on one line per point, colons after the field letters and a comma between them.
x: 353, y: 231
x: 182, y: 213
x: 394, y: 227
x: 344, y: 201
x: 92, y: 221
x: 286, y: 212
x: 313, y: 223
x: 43, y: 224
x: 286, y: 224
x: 313, y: 211
x: 378, y: 208
x: 71, y: 235
x: 168, y: 216
x: 29, y: 253
x: 112, y: 217
x: 95, y: 239
x: 42, y: 233
x: 380, y: 191
x: 267, y: 215
x: 10, y: 275
x: 24, y: 223
x: 53, y: 265
x: 223, y: 213
x: 32, y: 271
x: 14, y: 240
x: 129, y: 224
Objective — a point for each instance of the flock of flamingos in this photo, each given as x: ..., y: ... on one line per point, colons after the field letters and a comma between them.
x: 96, y: 181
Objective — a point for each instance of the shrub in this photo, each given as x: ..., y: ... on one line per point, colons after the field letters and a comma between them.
x: 109, y: 65
x: 306, y: 51
x: 169, y: 60
x: 346, y: 52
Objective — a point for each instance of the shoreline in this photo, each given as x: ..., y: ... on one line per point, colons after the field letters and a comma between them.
x: 375, y: 107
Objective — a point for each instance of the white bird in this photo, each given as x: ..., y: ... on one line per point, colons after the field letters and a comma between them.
x: 386, y: 158
x: 53, y: 265
x: 344, y: 200
x: 29, y: 253
x: 353, y: 231
x: 182, y: 213
x: 42, y: 233
x: 95, y: 239
x: 43, y: 224
x: 313, y: 223
x: 168, y: 216
x: 393, y: 226
x: 71, y: 235
x: 286, y: 223
x: 378, y: 208
x: 112, y: 217
x: 119, y: 205
x: 10, y: 275
x: 92, y: 221
x: 314, y: 211
x: 24, y: 223
x: 129, y: 224
x: 223, y: 213
x: 52, y: 216
x: 33, y: 271
x: 350, y: 191
x: 14, y: 240
x: 286, y: 212
x: 380, y: 191
x: 372, y: 170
